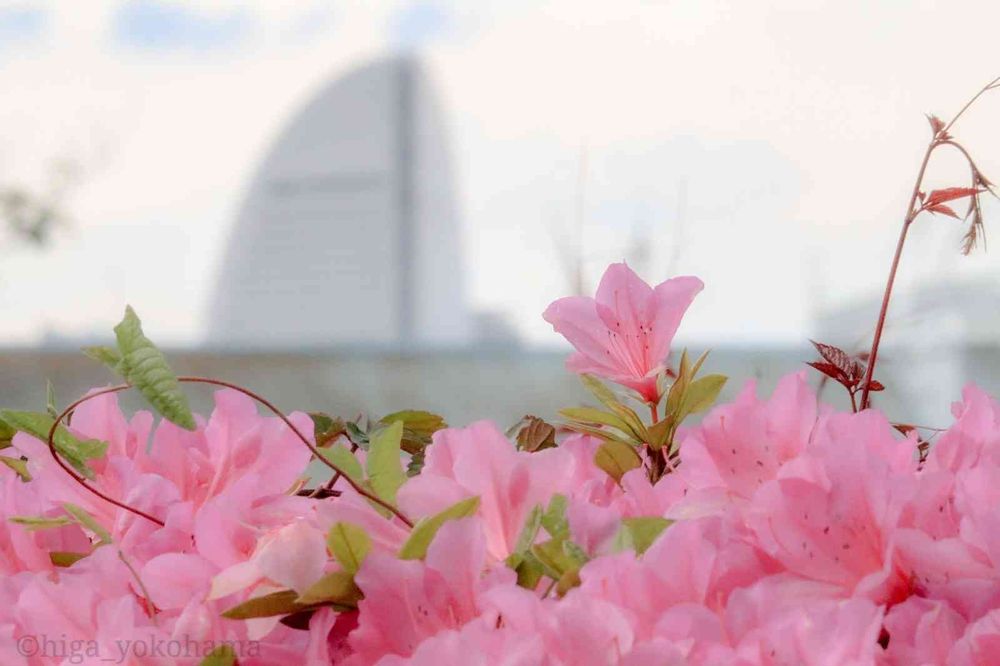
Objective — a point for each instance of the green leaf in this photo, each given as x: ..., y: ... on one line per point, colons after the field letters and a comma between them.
x: 18, y: 465
x: 554, y: 519
x: 349, y: 544
x: 568, y: 581
x: 7, y: 433
x: 106, y: 355
x: 616, y: 459
x: 356, y: 435
x: 415, y: 547
x: 606, y: 435
x: 559, y: 556
x: 146, y: 368
x: 607, y: 397
x: 529, y: 571
x: 224, y: 655
x: 76, y: 452
x: 550, y: 555
x: 702, y: 394
x: 326, y: 429
x: 50, y: 400
x: 662, y: 384
x: 600, y: 391
x: 590, y: 415
x: 65, y: 558
x: 418, y: 426
x: 698, y: 363
x: 35, y: 523
x: 676, y: 393
x: 345, y: 461
x: 86, y: 520
x: 417, y: 421
x: 685, y: 375
x: 282, y: 602
x: 526, y: 538
x: 660, y: 432
x: 635, y: 425
x: 385, y: 468
x: 335, y: 588
x: 638, y: 534
x: 575, y: 552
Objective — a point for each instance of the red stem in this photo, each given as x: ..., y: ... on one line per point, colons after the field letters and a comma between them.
x: 76, y: 477
x: 215, y: 382
x: 940, y: 137
x: 328, y: 486
x: 873, y: 354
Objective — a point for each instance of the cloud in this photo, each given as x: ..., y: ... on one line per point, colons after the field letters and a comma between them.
x: 416, y: 24
x: 155, y: 24
x: 21, y: 23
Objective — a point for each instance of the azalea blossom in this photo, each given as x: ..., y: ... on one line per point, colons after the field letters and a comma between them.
x: 785, y: 532
x: 624, y: 333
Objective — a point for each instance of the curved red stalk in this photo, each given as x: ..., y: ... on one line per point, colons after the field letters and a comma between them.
x: 215, y: 382
x: 941, y: 137
x: 69, y: 470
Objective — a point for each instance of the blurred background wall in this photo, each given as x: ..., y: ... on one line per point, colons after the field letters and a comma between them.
x: 366, y: 206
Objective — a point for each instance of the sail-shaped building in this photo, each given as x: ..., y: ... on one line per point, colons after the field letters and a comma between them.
x: 349, y: 231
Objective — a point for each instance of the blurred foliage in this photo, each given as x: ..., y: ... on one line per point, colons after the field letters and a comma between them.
x: 31, y: 217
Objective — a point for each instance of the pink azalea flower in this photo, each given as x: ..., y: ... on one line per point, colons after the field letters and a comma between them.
x: 921, y: 631
x: 480, y: 461
x: 22, y: 549
x: 476, y: 643
x: 624, y: 333
x: 772, y: 628
x: 832, y: 516
x: 408, y: 601
x: 980, y: 644
x: 694, y: 561
x: 974, y: 436
x: 740, y: 445
x: 577, y: 629
x: 800, y: 536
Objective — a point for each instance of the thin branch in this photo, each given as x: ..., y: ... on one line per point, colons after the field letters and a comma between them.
x: 76, y: 477
x: 215, y: 382
x: 989, y: 86
x: 940, y: 138
x: 298, y: 433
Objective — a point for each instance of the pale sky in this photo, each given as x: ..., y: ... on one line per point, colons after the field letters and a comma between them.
x: 792, y: 129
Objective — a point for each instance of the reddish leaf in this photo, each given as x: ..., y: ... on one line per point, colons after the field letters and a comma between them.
x: 949, y: 194
x: 943, y: 210
x: 936, y: 124
x: 904, y: 428
x: 843, y: 368
x: 828, y: 369
x: 834, y: 355
x: 921, y: 195
x: 857, y: 370
x: 535, y: 435
x: 839, y: 359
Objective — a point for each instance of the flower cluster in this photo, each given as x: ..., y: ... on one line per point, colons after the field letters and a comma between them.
x: 777, y: 531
